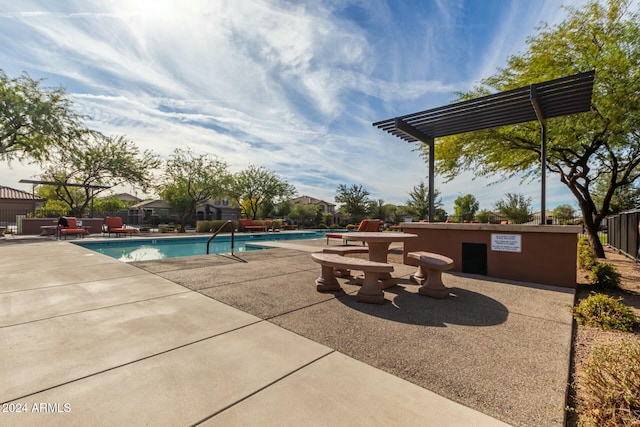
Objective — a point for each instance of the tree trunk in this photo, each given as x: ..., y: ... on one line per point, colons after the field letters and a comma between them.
x: 591, y: 228
x: 183, y: 222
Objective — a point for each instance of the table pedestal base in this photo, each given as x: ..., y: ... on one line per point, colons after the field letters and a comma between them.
x: 370, y: 291
x: 385, y: 280
x: 419, y: 277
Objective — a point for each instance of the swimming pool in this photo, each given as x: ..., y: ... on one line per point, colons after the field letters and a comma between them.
x: 131, y: 250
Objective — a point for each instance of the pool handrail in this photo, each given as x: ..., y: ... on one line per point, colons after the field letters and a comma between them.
x: 219, y: 230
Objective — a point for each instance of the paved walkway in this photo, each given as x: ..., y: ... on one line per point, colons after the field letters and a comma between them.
x: 88, y: 340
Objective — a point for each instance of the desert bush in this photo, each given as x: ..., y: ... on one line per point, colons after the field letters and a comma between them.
x: 605, y: 312
x: 610, y: 385
x: 211, y: 226
x: 586, y: 256
x: 605, y: 276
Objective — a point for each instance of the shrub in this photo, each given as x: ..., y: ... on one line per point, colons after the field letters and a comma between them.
x: 322, y: 227
x: 211, y: 226
x: 610, y: 385
x: 605, y: 276
x: 334, y: 226
x: 605, y: 312
x: 586, y: 256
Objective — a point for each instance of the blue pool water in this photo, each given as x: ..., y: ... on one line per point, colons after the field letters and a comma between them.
x: 130, y: 250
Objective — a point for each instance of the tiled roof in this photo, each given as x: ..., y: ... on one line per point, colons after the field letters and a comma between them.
x: 7, y: 193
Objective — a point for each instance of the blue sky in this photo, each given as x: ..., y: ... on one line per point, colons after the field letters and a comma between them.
x: 293, y: 86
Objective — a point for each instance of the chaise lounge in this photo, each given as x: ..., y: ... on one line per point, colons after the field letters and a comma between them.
x: 365, y: 225
x: 114, y: 225
x: 248, y: 225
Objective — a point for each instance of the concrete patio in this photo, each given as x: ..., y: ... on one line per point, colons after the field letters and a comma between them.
x: 247, y: 340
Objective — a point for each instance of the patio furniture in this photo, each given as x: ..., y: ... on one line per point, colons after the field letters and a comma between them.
x: 379, y: 243
x: 345, y: 250
x: 72, y: 228
x: 249, y: 225
x: 114, y: 225
x: 370, y: 292
x: 366, y: 225
x: 429, y: 273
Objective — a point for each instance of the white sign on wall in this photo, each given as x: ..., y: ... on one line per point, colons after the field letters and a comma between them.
x: 506, y: 242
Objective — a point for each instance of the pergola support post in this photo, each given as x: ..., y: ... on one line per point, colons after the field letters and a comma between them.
x: 428, y: 140
x: 535, y: 102
x: 543, y: 174
x: 432, y: 162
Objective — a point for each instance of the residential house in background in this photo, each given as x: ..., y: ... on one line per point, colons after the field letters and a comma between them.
x: 150, y: 212
x: 158, y: 211
x: 217, y: 210
x: 17, y: 202
x: 325, y: 207
x: 128, y: 199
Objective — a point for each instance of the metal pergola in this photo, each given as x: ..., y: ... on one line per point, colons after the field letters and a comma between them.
x: 62, y: 184
x: 539, y: 101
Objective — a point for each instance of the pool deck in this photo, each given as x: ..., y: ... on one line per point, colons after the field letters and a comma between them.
x: 247, y: 340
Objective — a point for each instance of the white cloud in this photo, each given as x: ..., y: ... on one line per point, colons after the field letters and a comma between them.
x: 292, y: 86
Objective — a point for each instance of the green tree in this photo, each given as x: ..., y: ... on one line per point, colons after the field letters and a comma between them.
x: 389, y: 212
x: 418, y: 204
x: 376, y: 209
x: 256, y: 186
x: 190, y: 180
x: 284, y: 208
x: 515, y: 207
x: 564, y: 213
x: 53, y: 208
x: 484, y: 216
x: 96, y: 160
x: 603, y: 144
x: 465, y: 208
x: 623, y: 199
x: 108, y: 204
x: 304, y: 214
x: 33, y: 119
x: 355, y: 201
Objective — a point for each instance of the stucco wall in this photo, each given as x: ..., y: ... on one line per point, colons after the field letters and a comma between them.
x: 547, y: 253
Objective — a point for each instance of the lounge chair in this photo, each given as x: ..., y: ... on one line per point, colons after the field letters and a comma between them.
x: 248, y: 225
x: 72, y: 228
x: 114, y: 225
x: 365, y: 225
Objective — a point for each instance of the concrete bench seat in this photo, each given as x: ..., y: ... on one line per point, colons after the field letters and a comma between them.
x: 429, y: 274
x: 345, y: 250
x: 370, y: 291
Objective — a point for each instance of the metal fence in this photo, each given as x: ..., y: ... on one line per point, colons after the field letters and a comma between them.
x: 533, y: 220
x: 10, y: 217
x: 624, y: 233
